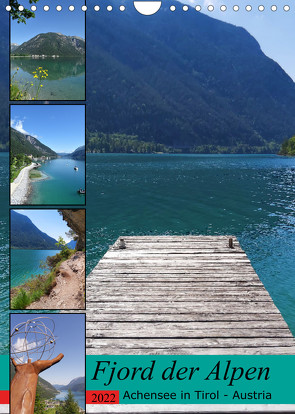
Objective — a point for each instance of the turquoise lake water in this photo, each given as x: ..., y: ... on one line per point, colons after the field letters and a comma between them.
x: 65, y: 81
x: 78, y: 396
x: 62, y: 185
x: 252, y: 197
x: 26, y: 263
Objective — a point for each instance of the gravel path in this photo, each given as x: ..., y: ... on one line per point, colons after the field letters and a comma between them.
x: 69, y: 291
x: 19, y: 189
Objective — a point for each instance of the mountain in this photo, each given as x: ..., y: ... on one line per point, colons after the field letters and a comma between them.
x: 63, y: 154
x: 46, y: 390
x: 13, y: 46
x: 25, y: 235
x: 78, y: 154
x: 76, y: 385
x: 184, y: 80
x: 72, y: 244
x: 26, y: 144
x: 50, y: 44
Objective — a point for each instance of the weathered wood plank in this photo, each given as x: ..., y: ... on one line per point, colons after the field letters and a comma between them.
x: 183, y: 307
x: 188, y: 343
x: 181, y: 295
x: 99, y: 349
x: 93, y: 316
x: 152, y: 333
x: 143, y: 327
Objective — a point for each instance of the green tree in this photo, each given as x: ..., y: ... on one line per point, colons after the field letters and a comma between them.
x: 40, y: 407
x: 61, y: 244
x: 21, y: 16
x: 70, y: 406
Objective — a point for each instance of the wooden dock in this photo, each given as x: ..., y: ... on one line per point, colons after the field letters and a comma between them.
x: 181, y: 295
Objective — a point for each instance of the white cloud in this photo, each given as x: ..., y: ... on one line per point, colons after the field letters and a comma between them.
x: 18, y: 124
x: 21, y: 347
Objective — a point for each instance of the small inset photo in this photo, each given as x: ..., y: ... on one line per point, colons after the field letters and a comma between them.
x: 47, y: 259
x: 47, y: 155
x: 47, y: 363
x: 47, y: 51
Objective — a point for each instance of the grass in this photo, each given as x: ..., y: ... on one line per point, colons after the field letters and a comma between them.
x: 51, y: 411
x: 31, y: 90
x: 37, y: 286
x: 17, y: 165
x: 35, y: 174
x: 17, y: 94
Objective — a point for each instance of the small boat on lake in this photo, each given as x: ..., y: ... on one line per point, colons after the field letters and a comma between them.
x: 81, y: 191
x: 76, y: 168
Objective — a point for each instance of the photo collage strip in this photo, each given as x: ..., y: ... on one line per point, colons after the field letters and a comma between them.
x: 47, y: 218
x: 171, y: 127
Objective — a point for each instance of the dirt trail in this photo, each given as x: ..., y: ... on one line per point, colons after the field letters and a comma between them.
x: 69, y: 291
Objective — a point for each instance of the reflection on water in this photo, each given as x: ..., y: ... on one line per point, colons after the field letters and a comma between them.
x: 66, y: 76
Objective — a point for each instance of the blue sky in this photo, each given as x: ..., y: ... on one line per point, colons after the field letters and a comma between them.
x: 48, y: 221
x: 60, y: 127
x: 65, y: 22
x: 70, y: 334
x: 274, y: 31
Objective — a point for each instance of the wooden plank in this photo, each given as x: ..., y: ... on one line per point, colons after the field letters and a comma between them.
x: 184, y: 282
x: 152, y: 333
x: 93, y: 316
x: 143, y: 327
x: 181, y: 295
x: 109, y: 348
x: 188, y: 269
x: 189, y: 343
x: 183, y: 307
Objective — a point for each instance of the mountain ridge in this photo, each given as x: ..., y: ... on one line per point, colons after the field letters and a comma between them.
x: 185, y: 81
x: 21, y: 143
x: 217, y: 88
x: 51, y: 44
x: 25, y: 235
x: 79, y: 153
x: 76, y: 385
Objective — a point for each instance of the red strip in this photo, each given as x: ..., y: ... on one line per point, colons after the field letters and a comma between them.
x: 102, y: 397
x: 4, y: 397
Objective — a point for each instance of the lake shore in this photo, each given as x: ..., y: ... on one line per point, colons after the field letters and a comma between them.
x: 20, y: 187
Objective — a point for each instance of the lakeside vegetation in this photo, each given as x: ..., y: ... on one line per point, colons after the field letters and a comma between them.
x: 288, y: 147
x: 23, y: 152
x: 40, y: 285
x: 121, y: 143
x: 34, y: 174
x: 17, y: 163
x: 100, y: 142
x: 30, y: 90
x: 69, y: 406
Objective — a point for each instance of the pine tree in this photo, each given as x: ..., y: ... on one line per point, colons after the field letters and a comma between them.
x: 70, y: 406
x: 40, y: 407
